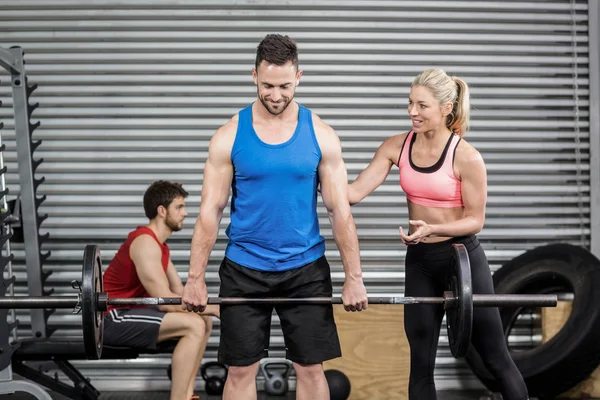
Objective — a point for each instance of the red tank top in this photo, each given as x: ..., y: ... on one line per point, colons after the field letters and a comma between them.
x: 121, y: 279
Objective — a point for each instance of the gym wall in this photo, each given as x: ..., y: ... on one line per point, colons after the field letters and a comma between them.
x: 131, y: 92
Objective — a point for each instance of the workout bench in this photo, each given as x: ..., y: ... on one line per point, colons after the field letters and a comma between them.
x: 60, y: 352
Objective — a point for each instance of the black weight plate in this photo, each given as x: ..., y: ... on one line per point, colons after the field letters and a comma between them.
x: 459, y: 319
x: 92, y: 318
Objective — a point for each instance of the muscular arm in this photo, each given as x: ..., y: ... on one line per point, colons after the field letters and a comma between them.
x: 377, y: 170
x: 473, y: 175
x: 146, y: 256
x: 218, y: 174
x: 334, y: 190
x: 174, y: 279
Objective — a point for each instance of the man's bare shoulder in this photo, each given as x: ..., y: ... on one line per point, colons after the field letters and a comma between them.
x: 327, y: 137
x: 222, y: 140
x: 321, y: 127
x: 146, y: 246
x: 228, y: 130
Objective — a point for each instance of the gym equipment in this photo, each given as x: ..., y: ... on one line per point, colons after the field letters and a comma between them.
x: 565, y: 361
x: 459, y: 319
x: 93, y: 320
x: 458, y: 302
x: 276, y: 381
x: 214, y: 383
x: 339, y: 384
x: 12, y: 61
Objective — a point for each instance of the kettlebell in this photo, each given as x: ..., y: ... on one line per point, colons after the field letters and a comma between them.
x: 214, y: 383
x: 276, y: 382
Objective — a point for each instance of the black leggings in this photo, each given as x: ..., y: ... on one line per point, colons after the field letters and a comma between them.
x: 427, y: 272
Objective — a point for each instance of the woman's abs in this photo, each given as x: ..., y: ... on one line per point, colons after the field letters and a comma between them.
x: 433, y: 216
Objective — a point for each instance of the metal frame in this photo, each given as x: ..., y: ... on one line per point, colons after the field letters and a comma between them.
x: 12, y: 61
x: 10, y: 386
x: 7, y: 384
x: 594, y: 68
x: 9, y: 62
x: 81, y: 389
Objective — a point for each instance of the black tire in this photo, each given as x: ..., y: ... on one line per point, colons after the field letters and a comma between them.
x: 569, y: 357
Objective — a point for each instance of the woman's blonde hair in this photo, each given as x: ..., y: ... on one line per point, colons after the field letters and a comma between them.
x: 448, y: 89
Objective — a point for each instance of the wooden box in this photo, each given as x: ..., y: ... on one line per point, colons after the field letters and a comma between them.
x: 375, y: 352
x: 553, y: 319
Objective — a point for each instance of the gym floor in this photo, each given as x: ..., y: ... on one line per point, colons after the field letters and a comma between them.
x: 453, y: 395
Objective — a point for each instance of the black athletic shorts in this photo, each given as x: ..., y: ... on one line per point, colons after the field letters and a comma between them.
x: 133, y: 327
x: 309, y: 330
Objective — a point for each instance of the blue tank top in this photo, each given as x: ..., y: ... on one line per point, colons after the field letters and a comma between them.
x: 274, y: 224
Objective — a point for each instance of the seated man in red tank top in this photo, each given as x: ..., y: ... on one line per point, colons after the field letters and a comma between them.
x: 142, y: 267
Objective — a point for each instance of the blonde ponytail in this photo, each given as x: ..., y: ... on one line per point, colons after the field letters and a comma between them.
x: 458, y: 120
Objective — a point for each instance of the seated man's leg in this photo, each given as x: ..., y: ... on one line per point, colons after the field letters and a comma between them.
x: 309, y: 330
x: 144, y: 328
x: 245, y: 330
x: 194, y: 332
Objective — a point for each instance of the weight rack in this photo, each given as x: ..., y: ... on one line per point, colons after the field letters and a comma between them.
x: 23, y: 210
x: 12, y: 60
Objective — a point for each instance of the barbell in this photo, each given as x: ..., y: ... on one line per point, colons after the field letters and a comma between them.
x: 458, y: 301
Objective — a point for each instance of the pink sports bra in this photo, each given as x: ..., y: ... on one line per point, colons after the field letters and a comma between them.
x: 433, y: 186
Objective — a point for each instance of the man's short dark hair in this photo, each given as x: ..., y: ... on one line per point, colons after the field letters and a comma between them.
x: 161, y: 193
x: 277, y: 49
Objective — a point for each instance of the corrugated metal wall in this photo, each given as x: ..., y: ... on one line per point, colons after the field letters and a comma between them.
x: 131, y: 91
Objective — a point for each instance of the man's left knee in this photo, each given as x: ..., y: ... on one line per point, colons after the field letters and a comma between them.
x: 208, y: 324
x: 309, y: 371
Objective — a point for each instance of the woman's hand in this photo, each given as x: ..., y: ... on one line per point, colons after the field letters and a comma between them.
x: 420, y: 231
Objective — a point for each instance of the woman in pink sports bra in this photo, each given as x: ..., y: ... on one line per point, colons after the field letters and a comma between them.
x: 445, y: 182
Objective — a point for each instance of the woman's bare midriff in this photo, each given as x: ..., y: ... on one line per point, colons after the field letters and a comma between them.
x: 434, y: 216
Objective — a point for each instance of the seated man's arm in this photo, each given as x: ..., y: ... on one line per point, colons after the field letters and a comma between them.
x: 175, y: 283
x: 176, y: 286
x: 146, y: 256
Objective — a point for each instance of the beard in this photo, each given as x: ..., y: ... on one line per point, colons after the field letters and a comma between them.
x: 282, y: 105
x: 172, y: 224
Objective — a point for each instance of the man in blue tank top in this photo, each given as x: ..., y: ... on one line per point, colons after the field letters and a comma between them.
x: 272, y: 155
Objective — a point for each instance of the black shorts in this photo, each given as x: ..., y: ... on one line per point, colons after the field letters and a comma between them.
x: 133, y: 327
x: 309, y: 330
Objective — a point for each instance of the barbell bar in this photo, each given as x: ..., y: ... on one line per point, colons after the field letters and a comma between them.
x: 74, y: 301
x: 479, y: 300
x: 458, y: 301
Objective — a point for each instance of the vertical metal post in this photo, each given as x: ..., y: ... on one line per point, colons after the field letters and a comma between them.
x: 594, y: 68
x: 6, y: 371
x: 33, y: 257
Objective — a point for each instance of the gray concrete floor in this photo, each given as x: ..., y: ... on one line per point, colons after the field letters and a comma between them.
x: 442, y: 395
x: 290, y: 396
